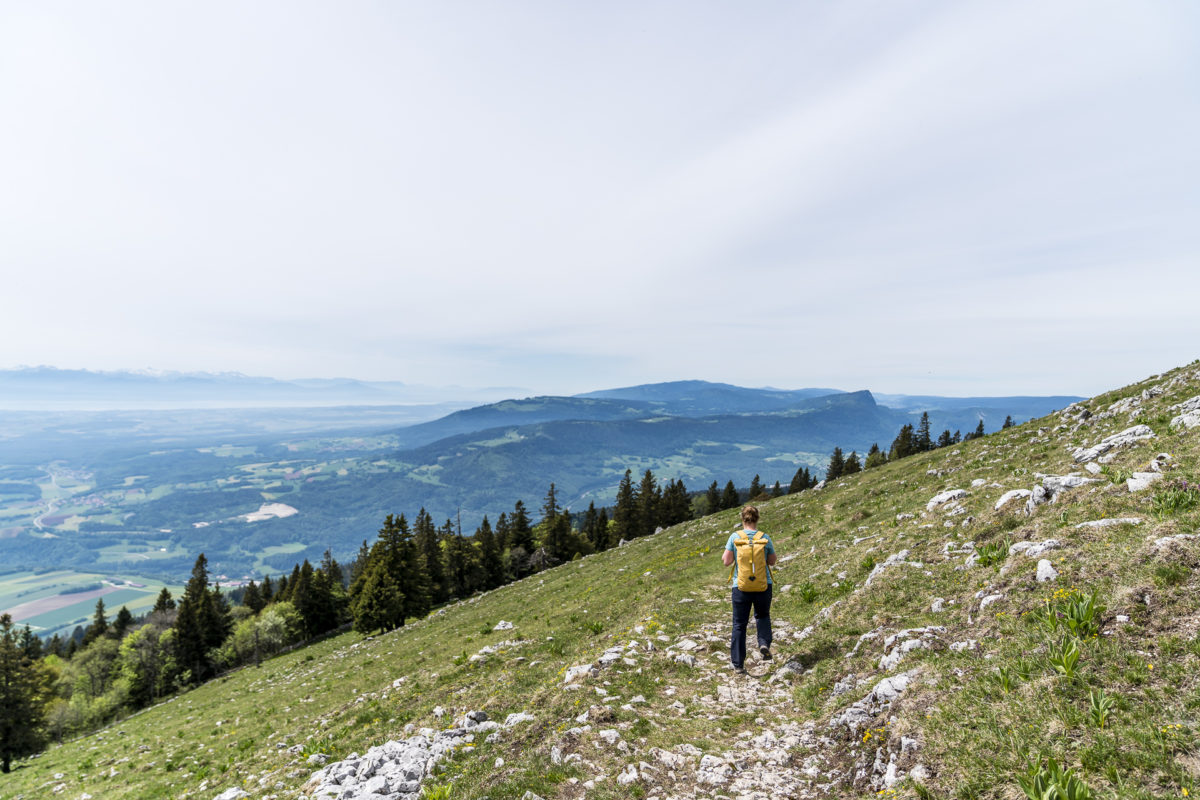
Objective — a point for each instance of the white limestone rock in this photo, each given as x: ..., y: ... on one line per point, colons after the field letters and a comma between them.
x: 1109, y: 522
x: 1141, y: 481
x: 1034, y: 549
x: 1014, y: 494
x: 1126, y: 437
x: 1046, y: 571
x: 945, y: 497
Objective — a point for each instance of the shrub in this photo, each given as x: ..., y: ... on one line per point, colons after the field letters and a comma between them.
x: 807, y: 591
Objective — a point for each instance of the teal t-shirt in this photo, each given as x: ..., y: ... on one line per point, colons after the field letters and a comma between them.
x: 731, y: 548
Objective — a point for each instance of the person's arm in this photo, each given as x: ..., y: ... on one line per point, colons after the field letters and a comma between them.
x: 770, y: 553
x: 771, y: 560
x: 727, y: 558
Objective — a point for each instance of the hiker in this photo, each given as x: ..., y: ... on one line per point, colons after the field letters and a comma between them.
x: 751, y: 554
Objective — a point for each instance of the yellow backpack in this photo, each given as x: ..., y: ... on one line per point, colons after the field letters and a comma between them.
x: 751, y: 562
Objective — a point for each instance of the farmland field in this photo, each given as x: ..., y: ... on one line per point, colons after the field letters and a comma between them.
x: 56, y: 601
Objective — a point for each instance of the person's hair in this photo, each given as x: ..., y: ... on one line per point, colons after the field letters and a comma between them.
x: 750, y: 516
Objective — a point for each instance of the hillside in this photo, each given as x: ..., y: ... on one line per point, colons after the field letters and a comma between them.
x: 917, y: 653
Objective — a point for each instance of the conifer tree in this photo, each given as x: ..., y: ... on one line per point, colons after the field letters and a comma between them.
x: 426, y: 536
x: 730, y: 497
x: 99, y: 626
x: 674, y: 507
x: 875, y: 457
x: 1008, y: 423
x: 489, y: 556
x: 597, y: 537
x: 923, y: 441
x: 799, y: 481
x: 712, y: 498
x: 164, y: 602
x: 978, y: 434
x: 648, y: 499
x: 122, y: 622
x: 625, y: 514
x: 520, y: 533
x: 31, y: 644
x: 252, y: 599
x: 956, y: 438
x: 755, y: 489
x: 379, y: 604
x: 837, y: 463
x: 903, y: 445
x: 776, y: 490
x: 23, y: 694
x: 503, y: 530
x: 852, y: 464
x: 945, y: 440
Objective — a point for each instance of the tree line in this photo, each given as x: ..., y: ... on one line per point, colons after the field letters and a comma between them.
x: 908, y: 442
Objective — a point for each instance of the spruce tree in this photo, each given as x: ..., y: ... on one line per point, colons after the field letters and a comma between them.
x: 122, y: 622
x: 379, y: 604
x: 755, y: 489
x: 799, y: 482
x: 923, y: 441
x: 776, y: 490
x: 675, y: 506
x: 426, y: 536
x: 945, y: 440
x: 23, y: 694
x: 837, y: 463
x: 730, y: 497
x: 903, y: 445
x: 99, y: 626
x: 712, y: 498
x: 648, y: 499
x: 875, y: 457
x: 252, y: 598
x: 852, y: 464
x: 520, y: 533
x: 164, y: 602
x: 1008, y: 423
x: 489, y: 555
x: 591, y: 528
x: 625, y: 515
x: 267, y: 590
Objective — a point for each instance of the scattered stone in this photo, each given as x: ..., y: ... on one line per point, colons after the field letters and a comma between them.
x: 975, y: 484
x: 1093, y: 468
x: 1110, y: 522
x: 1126, y: 437
x: 962, y: 647
x: 987, y: 601
x: 503, y: 625
x: 517, y: 719
x: 1141, y: 480
x: 317, y: 760
x: 1015, y: 494
x: 686, y: 659
x: 893, y: 560
x: 231, y: 794
x: 1046, y: 571
x: 945, y: 497
x: 1034, y: 549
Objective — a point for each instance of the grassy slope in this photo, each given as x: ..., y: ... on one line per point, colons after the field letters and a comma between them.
x: 973, y: 730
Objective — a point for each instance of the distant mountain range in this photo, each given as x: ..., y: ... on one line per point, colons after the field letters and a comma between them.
x: 39, y: 388
x: 150, y: 489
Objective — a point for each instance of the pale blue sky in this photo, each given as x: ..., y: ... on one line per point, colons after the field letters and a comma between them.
x: 955, y: 198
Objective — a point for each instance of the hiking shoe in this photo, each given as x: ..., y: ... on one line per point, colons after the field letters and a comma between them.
x: 737, y: 670
x: 765, y: 652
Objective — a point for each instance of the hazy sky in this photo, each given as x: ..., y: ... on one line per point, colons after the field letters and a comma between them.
x: 953, y: 197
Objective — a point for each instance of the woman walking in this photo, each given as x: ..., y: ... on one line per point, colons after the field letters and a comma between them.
x: 751, y: 554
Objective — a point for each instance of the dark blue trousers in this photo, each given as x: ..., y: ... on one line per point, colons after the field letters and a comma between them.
x: 742, y: 603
